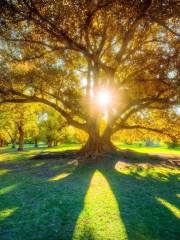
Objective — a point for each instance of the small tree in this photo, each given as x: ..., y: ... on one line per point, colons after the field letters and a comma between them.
x: 51, y: 124
x: 19, y: 121
x: 8, y: 130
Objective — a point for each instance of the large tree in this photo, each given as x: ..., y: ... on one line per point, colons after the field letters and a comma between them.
x: 127, y: 50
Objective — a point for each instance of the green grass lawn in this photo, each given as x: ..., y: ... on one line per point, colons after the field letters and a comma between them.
x: 144, y: 149
x: 55, y: 200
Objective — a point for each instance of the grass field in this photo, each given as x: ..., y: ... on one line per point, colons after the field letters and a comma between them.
x: 144, y: 149
x: 55, y: 200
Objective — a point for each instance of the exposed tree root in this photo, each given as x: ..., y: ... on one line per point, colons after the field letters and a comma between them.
x: 56, y: 155
x: 110, y: 157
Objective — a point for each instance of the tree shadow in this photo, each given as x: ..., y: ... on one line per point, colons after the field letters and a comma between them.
x: 36, y: 204
x: 5, y: 150
x: 146, y: 198
x: 43, y: 199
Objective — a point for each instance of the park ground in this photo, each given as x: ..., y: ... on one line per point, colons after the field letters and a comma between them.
x: 122, y: 198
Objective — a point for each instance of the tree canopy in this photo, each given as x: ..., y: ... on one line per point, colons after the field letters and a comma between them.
x: 63, y: 53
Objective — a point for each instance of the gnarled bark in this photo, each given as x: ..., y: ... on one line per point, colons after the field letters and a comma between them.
x: 97, y: 145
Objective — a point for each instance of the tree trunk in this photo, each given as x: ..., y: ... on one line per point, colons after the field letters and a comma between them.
x: 35, y: 143
x: 21, y: 138
x: 97, y: 145
x: 173, y: 144
x: 13, y: 142
x: 1, y: 142
x: 49, y: 141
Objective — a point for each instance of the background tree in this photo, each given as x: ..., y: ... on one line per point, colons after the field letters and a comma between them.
x: 127, y: 49
x: 51, y: 124
x: 70, y: 134
x: 19, y: 121
x: 8, y: 127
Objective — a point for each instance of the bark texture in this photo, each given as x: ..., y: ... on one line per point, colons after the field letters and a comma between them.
x: 97, y: 145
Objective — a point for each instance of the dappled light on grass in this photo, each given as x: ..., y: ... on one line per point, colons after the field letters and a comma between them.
x: 115, y: 203
x: 66, y: 170
x: 3, y: 171
x: 150, y: 150
x: 144, y: 171
x: 170, y: 206
x: 59, y: 176
x: 7, y: 212
x: 40, y: 164
x: 100, y: 217
x: 15, y: 155
x: 8, y: 189
x: 63, y: 147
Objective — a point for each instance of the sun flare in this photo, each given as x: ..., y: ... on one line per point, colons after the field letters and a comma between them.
x: 104, y: 97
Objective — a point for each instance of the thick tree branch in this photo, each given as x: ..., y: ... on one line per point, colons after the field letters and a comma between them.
x: 31, y: 41
x: 60, y: 99
x: 161, y: 131
x: 139, y: 105
x: 27, y: 99
x: 29, y: 58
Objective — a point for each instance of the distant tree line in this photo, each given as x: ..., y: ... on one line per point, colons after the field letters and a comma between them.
x: 35, y: 124
x: 28, y: 123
